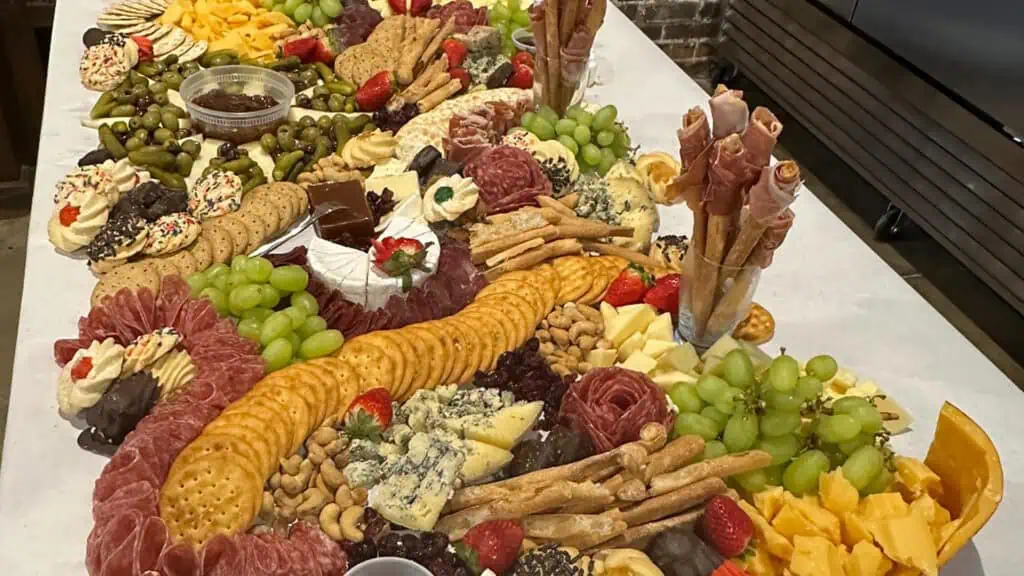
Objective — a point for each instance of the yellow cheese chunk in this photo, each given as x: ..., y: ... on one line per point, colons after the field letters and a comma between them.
x: 767, y: 537
x: 867, y: 560
x: 762, y: 563
x: 634, y: 343
x: 908, y: 541
x: 506, y: 427
x: 931, y: 511
x: 837, y: 494
x: 855, y: 529
x: 602, y: 358
x: 639, y: 362
x: 815, y: 556
x: 629, y: 321
x: 682, y: 358
x: 769, y: 502
x: 823, y: 522
x: 657, y: 348
x: 666, y: 379
x: 884, y: 505
x: 608, y: 313
x: 915, y: 478
x: 660, y: 328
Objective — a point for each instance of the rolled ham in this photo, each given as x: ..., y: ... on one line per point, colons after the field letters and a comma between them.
x: 729, y: 112
x: 759, y: 139
x: 772, y: 238
x: 774, y: 192
x: 694, y: 140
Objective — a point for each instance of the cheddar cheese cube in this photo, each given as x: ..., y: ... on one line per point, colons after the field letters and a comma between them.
x: 815, y: 556
x: 769, y: 502
x: 914, y: 478
x: 776, y: 544
x: 884, y: 505
x: 855, y: 530
x: 907, y: 540
x: 867, y: 560
x: 837, y: 494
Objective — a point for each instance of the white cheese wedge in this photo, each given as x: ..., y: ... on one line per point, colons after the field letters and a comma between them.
x: 482, y: 460
x: 660, y: 328
x: 666, y: 379
x: 608, y: 312
x: 599, y: 358
x: 411, y: 208
x: 340, y: 267
x: 506, y: 427
x: 634, y: 343
x: 629, y: 321
x: 657, y: 348
x: 379, y: 286
x: 401, y: 185
x: 639, y: 362
x: 682, y: 358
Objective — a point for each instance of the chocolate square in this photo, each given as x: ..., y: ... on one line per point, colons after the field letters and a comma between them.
x: 354, y: 221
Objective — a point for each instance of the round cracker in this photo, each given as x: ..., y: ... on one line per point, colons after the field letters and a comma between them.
x: 535, y: 289
x: 202, y: 252
x: 436, y: 350
x: 287, y: 205
x: 424, y: 359
x: 518, y: 310
x: 255, y: 226
x: 255, y: 430
x: 239, y: 233
x: 184, y: 262
x: 493, y: 330
x: 222, y: 247
x: 268, y: 418
x: 478, y: 336
x: 133, y: 275
x: 263, y: 209
x: 373, y: 365
x: 600, y: 282
x: 576, y: 277
x: 347, y: 384
x: 404, y: 353
x: 467, y: 350
x: 454, y: 362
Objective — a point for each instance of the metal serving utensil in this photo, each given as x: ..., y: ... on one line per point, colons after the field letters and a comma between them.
x: 318, y: 213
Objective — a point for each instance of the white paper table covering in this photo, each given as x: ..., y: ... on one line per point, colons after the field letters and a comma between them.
x: 828, y: 291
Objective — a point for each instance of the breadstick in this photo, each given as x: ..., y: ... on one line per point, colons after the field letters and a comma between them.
x: 592, y: 229
x: 423, y: 30
x: 570, y: 200
x: 632, y: 490
x: 435, y: 44
x: 484, y: 251
x: 673, y: 502
x: 456, y: 525
x: 639, y: 536
x: 579, y: 471
x: 549, y: 202
x: 561, y: 526
x: 430, y: 101
x: 416, y: 90
x: 536, y: 256
x: 721, y: 467
x: 631, y: 255
x: 653, y: 437
x: 675, y: 455
x: 593, y: 538
x: 436, y: 82
x: 514, y: 251
x: 567, y: 23
x: 553, y: 53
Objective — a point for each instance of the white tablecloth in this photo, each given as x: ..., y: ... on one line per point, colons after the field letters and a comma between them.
x: 829, y: 292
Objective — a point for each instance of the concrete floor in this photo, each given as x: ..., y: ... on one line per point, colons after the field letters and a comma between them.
x: 14, y: 208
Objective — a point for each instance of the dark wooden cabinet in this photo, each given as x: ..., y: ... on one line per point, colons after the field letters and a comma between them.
x: 23, y: 24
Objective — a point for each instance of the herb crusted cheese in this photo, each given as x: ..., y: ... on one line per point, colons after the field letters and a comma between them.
x: 417, y: 485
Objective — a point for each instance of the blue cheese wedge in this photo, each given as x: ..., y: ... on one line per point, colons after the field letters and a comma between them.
x: 417, y: 486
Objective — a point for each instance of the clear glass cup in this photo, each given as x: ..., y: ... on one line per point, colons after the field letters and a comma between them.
x: 714, y: 300
x: 572, y: 83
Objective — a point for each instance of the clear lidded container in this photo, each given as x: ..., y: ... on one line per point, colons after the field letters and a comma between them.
x: 238, y: 127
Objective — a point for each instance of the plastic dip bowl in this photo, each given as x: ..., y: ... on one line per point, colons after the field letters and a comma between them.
x: 238, y: 127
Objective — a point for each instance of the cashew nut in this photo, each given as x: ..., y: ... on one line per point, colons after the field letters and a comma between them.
x: 318, y: 481
x: 604, y: 344
x: 560, y: 337
x: 267, y: 509
x: 350, y: 520
x: 544, y: 324
x: 316, y: 454
x: 291, y: 464
x: 286, y: 501
x: 343, y: 497
x: 329, y: 521
x: 575, y: 352
x: 341, y: 459
x: 335, y: 447
x: 312, y: 501
x: 323, y: 436
x: 575, y: 315
x: 559, y: 320
x: 590, y: 313
x: 571, y: 363
x: 275, y: 480
x: 582, y: 328
x: 586, y: 343
x: 360, y: 495
x: 294, y: 484
x: 543, y: 335
x: 546, y: 348
x: 331, y: 475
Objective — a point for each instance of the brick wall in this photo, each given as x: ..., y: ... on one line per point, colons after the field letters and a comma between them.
x: 687, y: 30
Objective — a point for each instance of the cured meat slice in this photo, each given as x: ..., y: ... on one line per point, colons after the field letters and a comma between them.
x: 509, y: 178
x: 173, y: 295
x: 179, y: 560
x: 611, y: 405
x: 220, y: 556
x: 152, y: 539
x: 65, y: 348
x: 139, y: 496
x: 466, y: 16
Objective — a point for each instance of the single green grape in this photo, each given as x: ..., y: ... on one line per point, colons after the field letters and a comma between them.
x: 289, y: 278
x: 236, y: 279
x: 331, y: 8
x: 277, y: 354
x: 784, y: 373
x: 605, y: 117
x: 808, y: 387
x: 270, y: 297
x: 565, y: 127
x: 801, y: 476
x: 278, y: 325
x: 775, y: 423
x: 295, y: 341
x: 500, y: 13
x: 684, y: 396
x: 591, y: 154
x: 863, y: 466
x: 783, y: 401
x: 239, y: 262
x: 259, y: 313
x: 258, y: 269
x: 621, y: 139
x: 605, y: 137
x: 737, y: 369
x: 548, y: 114
x: 711, y: 387
x: 216, y: 270
x: 306, y: 302
x: 321, y: 344
x: 608, y: 160
x: 847, y: 404
x: 296, y: 314
x: 569, y: 143
x: 303, y: 13
x: 869, y: 417
x: 573, y: 111
x: 311, y: 325
x: 581, y: 134
x: 688, y: 423
x: 753, y: 481
x: 196, y: 283
x: 880, y: 484
x: 855, y: 443
x: 243, y: 298
x: 318, y: 18
x: 542, y: 129
x: 781, y: 448
x: 740, y: 432
x: 249, y: 328
x: 714, y: 449
x: 727, y: 402
x: 584, y: 118
x: 823, y: 367
x: 716, y: 416
x: 838, y: 428
x: 216, y: 298
x: 527, y: 120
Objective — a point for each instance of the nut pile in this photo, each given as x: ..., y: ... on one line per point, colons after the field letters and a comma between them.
x: 310, y: 486
x: 568, y: 334
x: 329, y: 169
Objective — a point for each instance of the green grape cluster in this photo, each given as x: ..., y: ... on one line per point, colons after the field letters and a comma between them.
x: 597, y: 140
x: 507, y: 16
x: 252, y: 292
x: 786, y: 415
x: 318, y: 12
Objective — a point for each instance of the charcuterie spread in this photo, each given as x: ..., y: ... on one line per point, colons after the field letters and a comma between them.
x: 476, y: 353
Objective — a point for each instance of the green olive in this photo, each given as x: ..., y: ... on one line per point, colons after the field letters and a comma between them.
x: 269, y: 143
x: 141, y: 134
x: 324, y: 123
x: 336, y: 103
x: 191, y: 147
x: 158, y: 87
x: 286, y: 142
x: 307, y: 121
x: 133, y: 144
x: 321, y: 91
x: 310, y: 134
x: 162, y: 135
x: 309, y: 76
x: 183, y: 163
x: 176, y: 110
x: 320, y: 105
x: 119, y: 127
x: 151, y: 119
x: 160, y: 100
x: 123, y: 110
x: 154, y: 107
x: 169, y: 120
x: 350, y: 107
x: 135, y: 124
x: 173, y: 80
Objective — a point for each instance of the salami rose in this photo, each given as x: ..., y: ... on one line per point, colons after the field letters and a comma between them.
x: 611, y: 405
x: 508, y: 177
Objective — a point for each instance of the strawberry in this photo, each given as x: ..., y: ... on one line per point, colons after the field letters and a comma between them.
x: 455, y: 50
x: 398, y: 257
x: 665, y: 294
x: 82, y: 368
x: 322, y: 53
x: 729, y: 568
x: 629, y: 286
x: 726, y: 526
x: 374, y: 94
x: 492, y: 545
x: 301, y: 47
x: 68, y: 215
x: 419, y: 7
x: 522, y: 77
x: 462, y: 75
x: 523, y: 58
x: 369, y: 414
x: 145, y: 48
x: 397, y: 6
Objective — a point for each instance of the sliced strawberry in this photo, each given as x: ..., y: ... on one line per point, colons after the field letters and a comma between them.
x: 629, y: 286
x: 369, y: 414
x: 492, y: 545
x: 726, y: 526
x: 665, y: 294
x: 374, y: 94
x: 145, y: 48
x: 523, y: 58
x: 68, y: 215
x: 729, y: 568
x: 322, y: 53
x: 522, y: 77
x: 462, y: 75
x: 455, y: 50
x: 81, y: 368
x: 397, y: 6
x: 301, y: 47
x: 398, y: 257
x: 419, y: 7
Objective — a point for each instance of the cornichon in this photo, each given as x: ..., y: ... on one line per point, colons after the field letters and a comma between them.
x: 341, y: 135
x: 289, y: 63
x: 254, y: 181
x: 284, y: 165
x: 103, y: 106
x: 111, y: 143
x: 158, y: 158
x: 323, y: 148
x: 296, y: 170
x: 325, y: 72
x: 343, y: 88
x: 356, y: 123
x: 169, y: 179
x: 238, y: 166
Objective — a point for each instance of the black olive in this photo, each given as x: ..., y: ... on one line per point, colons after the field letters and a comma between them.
x: 303, y: 101
x: 228, y: 151
x: 95, y: 157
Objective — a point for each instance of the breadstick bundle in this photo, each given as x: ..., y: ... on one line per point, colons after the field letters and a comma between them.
x: 563, y: 32
x: 620, y: 498
x: 740, y: 210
